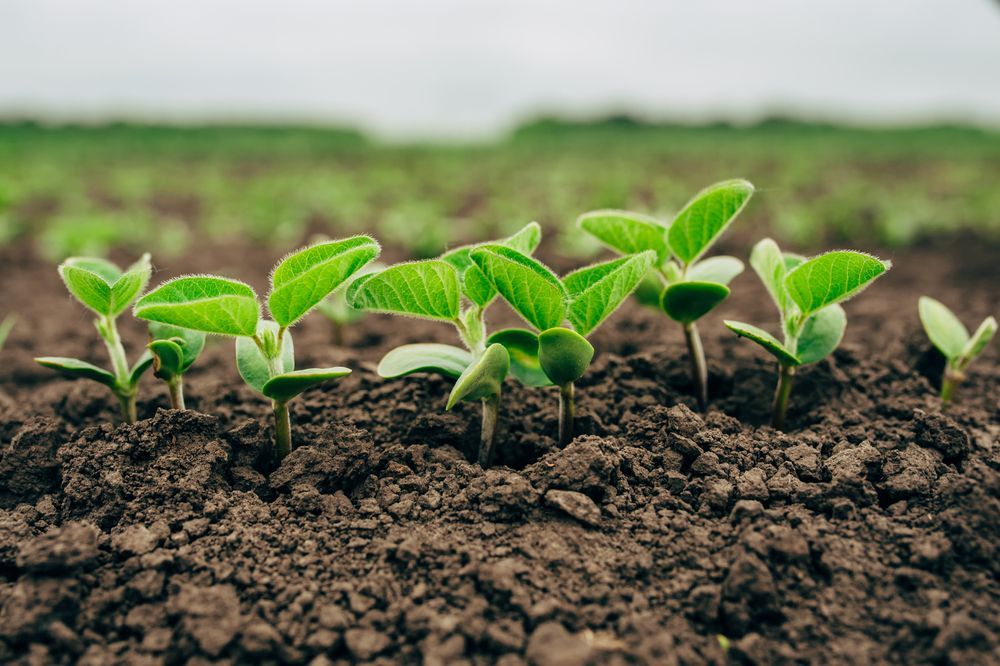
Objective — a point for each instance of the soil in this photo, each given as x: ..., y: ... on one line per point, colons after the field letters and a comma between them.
x: 867, y: 533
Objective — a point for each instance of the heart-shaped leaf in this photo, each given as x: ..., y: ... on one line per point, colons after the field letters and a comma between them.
x: 77, y: 369
x: 770, y: 343
x: 686, y: 302
x: 821, y: 334
x: 831, y: 278
x: 628, y: 233
x: 482, y: 379
x: 564, y: 355
x: 283, y: 388
x: 943, y: 328
x: 531, y: 289
x: 430, y: 357
x: 597, y: 291
x: 426, y: 289
x: 252, y: 364
x: 522, y: 347
x: 191, y: 343
x: 980, y: 338
x: 202, y: 303
x: 721, y: 269
x: 705, y: 217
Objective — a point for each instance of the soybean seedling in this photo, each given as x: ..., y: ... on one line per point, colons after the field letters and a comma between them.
x: 107, y: 291
x: 952, y: 339
x: 264, y: 350
x: 174, y: 351
x: 337, y: 310
x: 682, y: 283
x: 450, y: 289
x: 808, y: 293
x: 586, y: 297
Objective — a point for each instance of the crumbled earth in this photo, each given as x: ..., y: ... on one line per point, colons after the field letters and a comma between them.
x: 867, y: 533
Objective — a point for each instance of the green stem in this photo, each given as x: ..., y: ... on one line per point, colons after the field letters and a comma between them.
x: 487, y: 437
x: 282, y: 430
x: 781, y: 395
x: 176, y: 388
x: 952, y: 378
x: 567, y: 413
x: 119, y: 363
x: 127, y: 403
x: 699, y: 369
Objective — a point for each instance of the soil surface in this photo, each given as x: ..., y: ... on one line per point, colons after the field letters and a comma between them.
x: 865, y: 534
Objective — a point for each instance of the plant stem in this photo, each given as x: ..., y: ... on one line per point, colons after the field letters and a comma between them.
x: 699, y: 369
x: 781, y: 394
x: 949, y: 383
x: 116, y: 352
x: 567, y: 412
x: 176, y: 388
x: 127, y: 403
x: 487, y: 437
x: 282, y: 431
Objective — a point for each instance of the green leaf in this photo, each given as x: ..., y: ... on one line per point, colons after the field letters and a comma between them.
x: 769, y: 263
x: 426, y: 289
x: 649, y: 290
x: 128, y: 287
x: 705, y: 217
x: 304, y: 278
x: 628, y: 233
x: 821, y: 334
x: 482, y: 379
x: 202, y: 303
x: 596, y: 291
x: 250, y: 360
x: 526, y: 239
x: 564, y: 355
x: 979, y: 340
x: 191, y: 342
x: 943, y: 328
x: 686, y: 302
x: 87, y: 287
x: 142, y: 364
x: 290, y: 384
x: 721, y: 269
x: 429, y: 357
x: 765, y: 340
x: 476, y: 287
x: 168, y: 357
x: 531, y: 289
x: 831, y: 278
x: 108, y: 271
x: 77, y: 369
x: 522, y: 347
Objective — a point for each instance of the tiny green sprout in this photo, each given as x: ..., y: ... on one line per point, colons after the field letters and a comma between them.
x: 450, y: 289
x: 337, y: 310
x: 174, y: 351
x: 6, y: 326
x: 808, y: 293
x: 952, y: 339
x: 107, y: 291
x: 264, y: 349
x: 553, y: 353
x: 682, y: 283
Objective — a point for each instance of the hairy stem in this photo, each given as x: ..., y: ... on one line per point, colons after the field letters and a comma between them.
x: 781, y: 395
x: 487, y: 437
x: 282, y: 431
x: 699, y: 369
x: 567, y: 412
x: 175, y: 386
x: 116, y: 352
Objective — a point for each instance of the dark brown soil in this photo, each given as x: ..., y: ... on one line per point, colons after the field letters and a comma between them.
x: 866, y: 534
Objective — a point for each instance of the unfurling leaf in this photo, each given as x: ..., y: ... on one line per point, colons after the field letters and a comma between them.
x: 686, y: 302
x: 430, y: 357
x: 531, y: 289
x: 628, y: 233
x: 189, y: 342
x: 821, y: 334
x: 482, y: 379
x: 168, y: 358
x: 77, y: 369
x: 250, y: 360
x: 522, y: 346
x: 943, y: 328
x: 284, y: 387
x: 426, y: 289
x: 770, y: 343
x: 596, y: 291
x: 705, y: 217
x: 831, y: 278
x: 202, y: 303
x: 564, y: 355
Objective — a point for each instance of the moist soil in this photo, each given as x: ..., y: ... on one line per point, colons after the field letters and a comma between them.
x: 867, y: 533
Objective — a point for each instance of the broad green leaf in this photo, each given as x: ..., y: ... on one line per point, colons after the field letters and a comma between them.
x: 304, y: 278
x: 564, y: 355
x: 597, y: 291
x: 77, y: 369
x: 943, y: 328
x: 977, y: 343
x: 831, y: 278
x: 128, y: 287
x: 628, y: 233
x: 522, y: 346
x: 686, y: 302
x: 191, y: 342
x: 821, y: 334
x: 721, y: 269
x: 482, y: 379
x: 252, y: 364
x: 202, y: 303
x: 290, y: 384
x: 476, y: 287
x: 649, y: 290
x: 168, y: 357
x: 430, y: 357
x: 705, y: 217
x: 142, y: 364
x: 427, y: 289
x: 769, y: 263
x: 106, y: 269
x: 765, y: 340
x: 526, y: 239
x: 531, y: 289
x: 87, y: 287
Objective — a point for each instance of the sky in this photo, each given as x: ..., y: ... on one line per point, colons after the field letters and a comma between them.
x: 474, y: 68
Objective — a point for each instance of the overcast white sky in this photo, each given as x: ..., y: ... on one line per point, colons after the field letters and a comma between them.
x: 409, y: 68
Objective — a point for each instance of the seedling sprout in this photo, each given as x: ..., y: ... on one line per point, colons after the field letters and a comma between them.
x: 174, y: 351
x: 952, y: 339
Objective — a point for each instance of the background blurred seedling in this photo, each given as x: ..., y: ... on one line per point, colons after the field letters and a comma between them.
x: 454, y: 290
x: 586, y: 297
x: 952, y: 339
x: 174, y: 351
x: 107, y: 291
x: 808, y: 293
x: 264, y: 351
x: 339, y: 312
x: 682, y: 284
x: 6, y: 326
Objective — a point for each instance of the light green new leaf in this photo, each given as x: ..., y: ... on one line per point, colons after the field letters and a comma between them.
x: 686, y: 302
x: 531, y: 289
x: 977, y: 343
x: 706, y: 216
x: 821, y: 334
x: 202, y: 303
x: 831, y: 278
x: 427, y: 289
x: 526, y: 239
x: 106, y: 269
x: 564, y: 355
x: 447, y: 360
x: 250, y: 360
x: 721, y: 269
x: 476, y: 287
x: 87, y: 287
x: 76, y: 368
x: 482, y: 379
x: 628, y: 233
x: 283, y: 388
x: 597, y: 291
x: 770, y: 343
x: 304, y: 278
x: 522, y: 346
x: 943, y: 328
x: 129, y: 285
x: 768, y: 262
x: 191, y: 343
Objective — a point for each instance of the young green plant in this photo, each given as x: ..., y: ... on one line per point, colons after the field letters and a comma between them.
x: 107, y: 291
x: 952, y: 339
x: 450, y: 289
x: 682, y: 283
x: 264, y: 350
x: 808, y: 293
x: 174, y: 351
x: 553, y: 353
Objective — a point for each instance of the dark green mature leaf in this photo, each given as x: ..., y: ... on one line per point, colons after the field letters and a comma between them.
x: 831, y: 278
x: 283, y: 388
x: 202, y: 303
x: 190, y: 342
x: 628, y: 233
x: 706, y: 216
x: 596, y: 291
x: 721, y: 269
x: 564, y: 355
x: 943, y: 328
x: 687, y: 302
x: 770, y: 343
x: 252, y: 364
x: 522, y: 346
x: 821, y: 334
x: 426, y: 289
x: 980, y: 338
x: 304, y: 278
x: 447, y: 360
x: 482, y: 379
x: 768, y: 262
x: 531, y: 289
x: 77, y: 369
